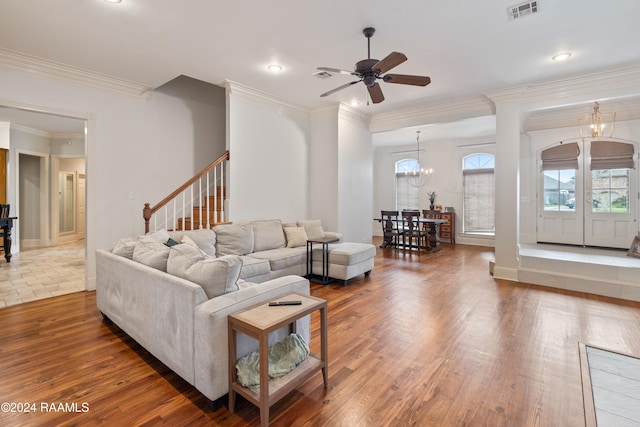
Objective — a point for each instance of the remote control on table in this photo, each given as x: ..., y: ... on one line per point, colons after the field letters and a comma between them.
x: 276, y: 303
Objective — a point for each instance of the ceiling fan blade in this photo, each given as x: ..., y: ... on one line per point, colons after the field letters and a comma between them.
x: 337, y: 71
x: 392, y: 60
x: 375, y: 92
x: 340, y: 88
x: 404, y: 79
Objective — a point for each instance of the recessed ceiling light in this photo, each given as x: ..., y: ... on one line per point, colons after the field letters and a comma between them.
x: 113, y: 1
x: 354, y: 103
x: 275, y: 68
x: 561, y: 56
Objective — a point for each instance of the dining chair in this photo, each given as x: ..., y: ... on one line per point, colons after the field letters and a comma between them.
x: 4, y: 213
x: 412, y: 231
x: 435, y: 214
x: 390, y: 231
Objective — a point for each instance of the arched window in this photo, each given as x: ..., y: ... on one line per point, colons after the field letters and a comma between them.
x: 407, y: 196
x: 478, y: 194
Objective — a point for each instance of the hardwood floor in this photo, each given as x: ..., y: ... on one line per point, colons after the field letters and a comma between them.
x: 426, y: 340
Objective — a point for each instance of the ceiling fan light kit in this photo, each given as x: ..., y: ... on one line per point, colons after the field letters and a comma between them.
x: 370, y: 70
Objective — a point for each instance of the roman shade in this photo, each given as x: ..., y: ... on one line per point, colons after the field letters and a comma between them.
x: 561, y: 157
x: 611, y: 155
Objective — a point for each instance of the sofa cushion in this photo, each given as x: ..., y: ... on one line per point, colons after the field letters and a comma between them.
x: 313, y: 228
x: 204, y: 239
x: 282, y: 258
x: 217, y: 276
x: 125, y: 247
x: 149, y: 252
x: 252, y: 267
x: 347, y: 253
x: 234, y: 239
x: 296, y: 236
x: 267, y: 235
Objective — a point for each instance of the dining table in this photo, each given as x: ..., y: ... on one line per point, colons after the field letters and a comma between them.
x: 431, y: 224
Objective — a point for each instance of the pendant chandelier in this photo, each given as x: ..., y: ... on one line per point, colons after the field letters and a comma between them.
x: 421, y: 176
x: 597, y: 124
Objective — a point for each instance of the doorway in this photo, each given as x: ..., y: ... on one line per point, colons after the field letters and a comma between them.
x: 68, y: 202
x: 586, y: 193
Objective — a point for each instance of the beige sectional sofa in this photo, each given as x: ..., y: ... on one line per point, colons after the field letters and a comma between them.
x: 172, y: 291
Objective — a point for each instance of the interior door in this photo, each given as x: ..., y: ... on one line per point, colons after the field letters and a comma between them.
x: 81, y: 206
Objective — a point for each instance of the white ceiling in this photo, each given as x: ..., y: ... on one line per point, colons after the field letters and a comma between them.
x: 468, y: 48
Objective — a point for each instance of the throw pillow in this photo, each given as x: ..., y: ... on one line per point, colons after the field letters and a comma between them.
x: 234, y: 239
x: 149, y: 252
x: 125, y: 247
x: 267, y: 235
x: 296, y: 236
x: 204, y: 239
x: 313, y: 228
x: 217, y: 276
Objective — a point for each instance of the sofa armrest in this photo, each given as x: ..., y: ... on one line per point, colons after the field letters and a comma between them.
x: 152, y: 307
x: 211, y: 330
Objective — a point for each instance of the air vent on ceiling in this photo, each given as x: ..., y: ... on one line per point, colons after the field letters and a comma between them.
x: 322, y: 75
x: 524, y: 9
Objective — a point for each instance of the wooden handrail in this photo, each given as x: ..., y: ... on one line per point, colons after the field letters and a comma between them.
x: 148, y: 211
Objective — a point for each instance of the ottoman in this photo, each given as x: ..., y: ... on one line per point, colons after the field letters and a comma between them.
x: 346, y: 260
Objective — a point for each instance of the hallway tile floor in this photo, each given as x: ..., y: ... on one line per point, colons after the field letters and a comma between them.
x: 42, y: 273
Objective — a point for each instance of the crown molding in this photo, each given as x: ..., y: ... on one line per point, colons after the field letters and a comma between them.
x: 353, y: 115
x: 262, y: 99
x: 57, y: 71
x: 611, y: 84
x: 30, y: 130
x: 438, y: 112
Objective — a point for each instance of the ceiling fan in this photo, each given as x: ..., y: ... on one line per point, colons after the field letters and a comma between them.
x: 369, y: 70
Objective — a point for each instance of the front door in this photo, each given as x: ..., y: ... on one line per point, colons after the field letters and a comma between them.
x: 585, y: 206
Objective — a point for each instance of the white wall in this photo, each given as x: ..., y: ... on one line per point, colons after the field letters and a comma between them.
x: 323, y: 167
x: 355, y: 177
x: 269, y: 146
x: 137, y: 146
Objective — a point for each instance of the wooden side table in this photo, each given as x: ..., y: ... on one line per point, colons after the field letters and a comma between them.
x: 257, y: 322
x: 448, y: 230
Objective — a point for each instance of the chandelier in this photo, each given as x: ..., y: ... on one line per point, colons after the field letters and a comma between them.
x: 597, y: 124
x: 421, y: 176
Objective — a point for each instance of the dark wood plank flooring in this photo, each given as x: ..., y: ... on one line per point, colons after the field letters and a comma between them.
x: 426, y: 340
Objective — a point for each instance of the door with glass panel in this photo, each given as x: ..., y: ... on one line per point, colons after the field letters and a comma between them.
x: 588, y: 193
x: 560, y: 216
x: 611, y: 202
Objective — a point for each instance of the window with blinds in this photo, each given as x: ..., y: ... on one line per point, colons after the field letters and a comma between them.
x: 478, y: 187
x: 407, y: 196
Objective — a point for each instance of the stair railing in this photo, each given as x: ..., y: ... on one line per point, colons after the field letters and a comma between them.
x: 178, y: 209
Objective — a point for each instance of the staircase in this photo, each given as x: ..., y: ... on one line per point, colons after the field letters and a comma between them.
x: 198, y: 203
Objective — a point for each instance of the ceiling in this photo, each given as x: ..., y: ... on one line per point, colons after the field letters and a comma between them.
x: 467, y: 48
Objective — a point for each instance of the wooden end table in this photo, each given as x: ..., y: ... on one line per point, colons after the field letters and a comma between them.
x: 257, y: 322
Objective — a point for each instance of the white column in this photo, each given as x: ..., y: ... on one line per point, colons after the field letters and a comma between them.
x: 507, y: 176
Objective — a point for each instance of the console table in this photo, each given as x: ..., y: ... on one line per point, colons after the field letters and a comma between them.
x: 257, y: 322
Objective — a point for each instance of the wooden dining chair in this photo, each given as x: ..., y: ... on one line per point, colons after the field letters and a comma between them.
x: 4, y: 213
x: 390, y: 231
x: 435, y: 214
x: 413, y: 231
